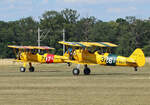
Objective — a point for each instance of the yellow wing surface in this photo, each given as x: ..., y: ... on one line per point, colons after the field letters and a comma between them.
x: 83, y: 62
x: 88, y: 44
x: 31, y: 47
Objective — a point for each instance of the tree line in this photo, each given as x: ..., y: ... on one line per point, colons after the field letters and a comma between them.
x: 128, y: 33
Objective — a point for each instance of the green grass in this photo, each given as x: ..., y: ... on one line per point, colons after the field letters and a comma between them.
x: 55, y: 85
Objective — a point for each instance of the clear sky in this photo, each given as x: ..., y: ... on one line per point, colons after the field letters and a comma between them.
x: 105, y: 10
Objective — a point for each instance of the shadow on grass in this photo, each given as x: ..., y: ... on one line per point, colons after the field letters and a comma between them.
x: 51, y: 71
x: 67, y: 73
x: 123, y: 74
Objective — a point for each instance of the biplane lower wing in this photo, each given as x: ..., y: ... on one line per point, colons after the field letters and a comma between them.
x: 24, y: 61
x: 83, y: 63
x: 61, y: 57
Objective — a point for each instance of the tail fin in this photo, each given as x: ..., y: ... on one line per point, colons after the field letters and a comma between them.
x: 139, y: 57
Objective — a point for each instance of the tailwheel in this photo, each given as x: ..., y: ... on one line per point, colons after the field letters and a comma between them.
x: 69, y: 64
x: 87, y: 71
x: 135, y: 69
x: 31, y: 69
x: 76, y: 71
x: 22, y: 69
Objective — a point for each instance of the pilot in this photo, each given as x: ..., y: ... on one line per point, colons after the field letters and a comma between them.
x: 42, y: 52
x: 70, y: 52
x: 34, y: 51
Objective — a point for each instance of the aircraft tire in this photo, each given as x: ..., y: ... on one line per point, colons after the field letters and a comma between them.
x: 22, y: 69
x: 87, y: 71
x: 76, y: 71
x: 135, y: 69
x: 31, y: 69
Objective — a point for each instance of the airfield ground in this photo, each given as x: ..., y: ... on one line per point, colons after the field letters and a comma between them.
x: 55, y: 85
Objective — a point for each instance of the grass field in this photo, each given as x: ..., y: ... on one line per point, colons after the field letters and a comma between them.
x: 55, y: 85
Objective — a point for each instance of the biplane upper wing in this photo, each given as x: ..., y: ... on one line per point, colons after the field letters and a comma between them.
x: 30, y: 47
x: 88, y: 44
x: 76, y: 44
x: 100, y: 44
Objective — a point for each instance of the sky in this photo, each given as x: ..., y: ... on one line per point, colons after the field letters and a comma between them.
x: 105, y: 10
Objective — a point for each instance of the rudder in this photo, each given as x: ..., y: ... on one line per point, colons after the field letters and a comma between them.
x: 139, y: 57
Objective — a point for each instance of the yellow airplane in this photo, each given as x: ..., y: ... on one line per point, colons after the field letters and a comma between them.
x: 85, y: 53
x: 29, y: 54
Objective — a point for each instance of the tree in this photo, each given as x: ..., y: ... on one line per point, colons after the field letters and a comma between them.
x: 129, y: 33
x: 53, y: 22
x: 85, y: 26
x: 70, y: 16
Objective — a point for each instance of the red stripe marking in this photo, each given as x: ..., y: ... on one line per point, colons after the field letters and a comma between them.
x: 50, y: 58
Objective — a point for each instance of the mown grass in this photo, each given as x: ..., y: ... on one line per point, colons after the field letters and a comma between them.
x: 55, y: 85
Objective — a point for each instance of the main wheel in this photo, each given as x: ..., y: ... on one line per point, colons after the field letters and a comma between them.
x: 135, y: 69
x: 76, y: 71
x: 87, y: 71
x: 31, y: 69
x: 22, y: 69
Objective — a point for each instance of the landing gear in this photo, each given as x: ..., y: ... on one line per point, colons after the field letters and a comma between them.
x: 76, y: 71
x: 31, y: 69
x: 135, y: 69
x: 69, y: 64
x: 22, y: 69
x: 86, y: 71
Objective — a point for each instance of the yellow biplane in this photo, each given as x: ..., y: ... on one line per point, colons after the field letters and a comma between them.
x: 29, y: 54
x: 85, y: 53
x: 92, y: 53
